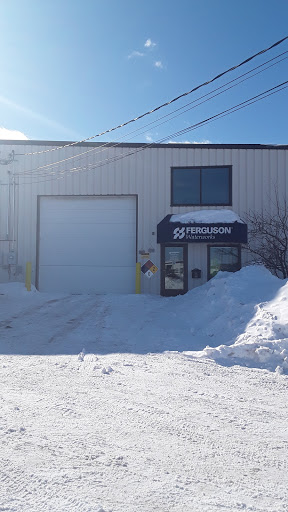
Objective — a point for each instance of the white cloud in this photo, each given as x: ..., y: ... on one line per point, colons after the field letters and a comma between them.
x: 149, y: 44
x: 158, y: 64
x: 205, y: 141
x: 135, y: 54
x: 6, y: 134
x: 148, y: 138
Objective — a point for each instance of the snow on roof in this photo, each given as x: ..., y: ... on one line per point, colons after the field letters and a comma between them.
x: 207, y: 217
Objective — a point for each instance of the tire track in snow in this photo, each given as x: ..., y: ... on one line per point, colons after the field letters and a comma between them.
x: 30, y: 310
x: 34, y: 325
x: 74, y: 323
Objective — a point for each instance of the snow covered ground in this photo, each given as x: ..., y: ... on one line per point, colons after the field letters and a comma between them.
x: 115, y: 403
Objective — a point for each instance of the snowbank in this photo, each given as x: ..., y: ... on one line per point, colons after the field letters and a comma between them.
x: 207, y: 217
x: 259, y: 339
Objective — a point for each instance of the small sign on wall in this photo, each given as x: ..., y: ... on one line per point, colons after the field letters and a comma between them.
x: 149, y: 269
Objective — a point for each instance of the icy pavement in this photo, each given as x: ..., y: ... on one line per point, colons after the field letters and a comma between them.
x: 112, y: 404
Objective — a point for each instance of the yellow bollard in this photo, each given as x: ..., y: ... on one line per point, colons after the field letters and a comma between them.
x: 28, y: 276
x: 138, y: 278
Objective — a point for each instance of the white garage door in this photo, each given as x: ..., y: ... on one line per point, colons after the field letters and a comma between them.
x: 87, y: 244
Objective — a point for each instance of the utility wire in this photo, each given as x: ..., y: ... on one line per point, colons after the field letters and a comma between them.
x: 164, y: 104
x: 224, y: 113
x: 107, y: 145
x: 231, y: 110
x: 210, y: 119
x: 159, y: 141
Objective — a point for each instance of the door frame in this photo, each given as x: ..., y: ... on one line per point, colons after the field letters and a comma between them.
x: 173, y: 293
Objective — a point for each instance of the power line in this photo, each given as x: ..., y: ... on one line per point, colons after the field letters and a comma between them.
x: 233, y: 109
x: 164, y: 104
x: 210, y: 119
x: 224, y: 113
x: 181, y: 132
x: 105, y: 146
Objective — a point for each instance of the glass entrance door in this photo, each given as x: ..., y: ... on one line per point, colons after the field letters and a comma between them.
x: 173, y: 269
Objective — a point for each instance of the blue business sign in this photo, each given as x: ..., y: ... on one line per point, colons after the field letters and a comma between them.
x: 235, y: 232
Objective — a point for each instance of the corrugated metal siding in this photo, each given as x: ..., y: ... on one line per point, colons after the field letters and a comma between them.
x: 5, y: 222
x: 256, y: 172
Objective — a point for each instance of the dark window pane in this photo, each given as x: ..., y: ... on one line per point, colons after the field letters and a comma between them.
x: 186, y: 186
x: 225, y: 259
x: 215, y: 186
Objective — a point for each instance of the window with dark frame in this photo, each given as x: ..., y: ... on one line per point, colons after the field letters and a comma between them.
x: 201, y: 186
x: 223, y: 258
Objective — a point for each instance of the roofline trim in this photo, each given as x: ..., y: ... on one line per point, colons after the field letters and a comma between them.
x: 139, y: 144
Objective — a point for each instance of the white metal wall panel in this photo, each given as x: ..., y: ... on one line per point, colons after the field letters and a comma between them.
x: 5, y: 222
x: 87, y: 244
x: 197, y: 258
x: 256, y: 173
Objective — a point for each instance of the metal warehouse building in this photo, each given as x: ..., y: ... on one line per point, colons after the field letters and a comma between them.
x: 85, y: 214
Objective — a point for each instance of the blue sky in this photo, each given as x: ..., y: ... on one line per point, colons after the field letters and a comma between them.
x: 72, y: 69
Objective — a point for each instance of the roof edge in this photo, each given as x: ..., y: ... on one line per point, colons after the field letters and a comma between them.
x: 139, y: 144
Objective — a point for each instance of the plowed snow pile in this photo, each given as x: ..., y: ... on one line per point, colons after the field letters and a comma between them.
x: 245, y: 315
